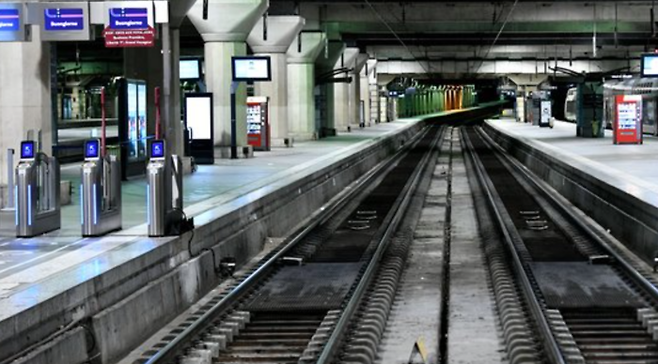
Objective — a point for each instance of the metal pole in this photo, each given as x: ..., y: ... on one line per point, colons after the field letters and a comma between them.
x: 234, y: 138
x: 10, y: 179
x: 103, y: 123
x: 166, y: 85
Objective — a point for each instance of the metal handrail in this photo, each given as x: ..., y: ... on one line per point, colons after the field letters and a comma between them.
x: 551, y: 347
x: 400, y: 206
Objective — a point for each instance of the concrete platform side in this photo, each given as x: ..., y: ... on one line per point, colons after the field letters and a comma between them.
x: 120, y: 303
x: 630, y: 219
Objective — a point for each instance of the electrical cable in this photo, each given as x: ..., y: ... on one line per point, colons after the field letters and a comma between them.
x: 396, y: 36
x: 500, y: 31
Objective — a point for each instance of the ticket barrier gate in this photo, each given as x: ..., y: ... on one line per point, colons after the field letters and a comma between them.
x: 100, y: 192
x: 36, y: 192
x: 164, y: 193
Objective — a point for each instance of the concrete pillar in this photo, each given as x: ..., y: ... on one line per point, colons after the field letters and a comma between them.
x: 343, y: 104
x: 224, y: 33
x: 25, y: 97
x: 281, y: 30
x: 355, y: 90
x: 301, y: 82
x: 324, y: 66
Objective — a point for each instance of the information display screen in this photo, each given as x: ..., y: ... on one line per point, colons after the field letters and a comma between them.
x: 251, y: 69
x: 129, y: 18
x: 92, y: 149
x: 627, y: 115
x: 649, y: 65
x: 27, y: 150
x: 189, y: 69
x: 157, y: 149
x: 10, y: 20
x: 65, y: 19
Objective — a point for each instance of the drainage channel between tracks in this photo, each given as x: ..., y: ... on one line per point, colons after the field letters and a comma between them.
x: 589, y: 305
x: 305, y: 290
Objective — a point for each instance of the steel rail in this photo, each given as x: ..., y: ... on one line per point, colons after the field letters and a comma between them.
x: 551, y: 347
x: 552, y: 196
x: 399, y: 208
x: 173, y: 347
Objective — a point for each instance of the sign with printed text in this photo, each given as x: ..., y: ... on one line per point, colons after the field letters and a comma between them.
x: 129, y: 28
x: 10, y: 20
x: 129, y: 18
x: 66, y: 19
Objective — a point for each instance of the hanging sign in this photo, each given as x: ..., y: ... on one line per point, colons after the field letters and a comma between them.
x: 61, y: 21
x: 129, y: 25
x: 12, y: 24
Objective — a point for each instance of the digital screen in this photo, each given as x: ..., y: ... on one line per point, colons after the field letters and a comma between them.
x: 189, y: 69
x: 251, y: 69
x: 627, y: 115
x: 10, y: 20
x: 133, y: 126
x: 129, y: 18
x: 650, y: 65
x: 157, y: 149
x: 198, y: 115
x: 27, y: 150
x: 141, y: 119
x: 92, y: 148
x: 64, y: 19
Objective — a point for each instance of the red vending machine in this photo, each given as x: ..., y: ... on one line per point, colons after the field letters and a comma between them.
x: 258, y: 124
x: 627, y: 126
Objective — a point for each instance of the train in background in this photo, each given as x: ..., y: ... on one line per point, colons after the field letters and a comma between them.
x: 645, y: 87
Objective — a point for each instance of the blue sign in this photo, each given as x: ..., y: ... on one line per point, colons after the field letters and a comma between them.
x: 129, y: 18
x: 10, y: 20
x: 157, y: 149
x: 27, y: 150
x: 92, y: 148
x: 64, y: 19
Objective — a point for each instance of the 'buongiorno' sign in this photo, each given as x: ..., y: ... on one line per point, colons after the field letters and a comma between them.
x: 129, y: 18
x: 10, y: 20
x: 56, y: 19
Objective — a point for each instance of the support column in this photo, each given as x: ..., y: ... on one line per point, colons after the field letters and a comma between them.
x: 224, y: 33
x: 355, y: 90
x: 301, y: 83
x: 343, y: 104
x: 25, y: 97
x: 375, y: 105
x: 281, y: 30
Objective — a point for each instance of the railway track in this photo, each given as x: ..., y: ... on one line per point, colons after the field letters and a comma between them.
x: 587, y: 301
x: 297, y: 304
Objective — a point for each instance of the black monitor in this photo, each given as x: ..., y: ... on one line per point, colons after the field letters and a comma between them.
x: 27, y: 149
x: 257, y: 68
x: 157, y: 149
x: 92, y: 149
x: 649, y: 65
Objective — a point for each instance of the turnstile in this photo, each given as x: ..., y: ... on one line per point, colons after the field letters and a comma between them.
x: 164, y: 193
x: 36, y: 192
x: 100, y: 191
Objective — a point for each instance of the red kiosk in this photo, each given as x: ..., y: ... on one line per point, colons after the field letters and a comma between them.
x: 627, y: 126
x: 258, y: 124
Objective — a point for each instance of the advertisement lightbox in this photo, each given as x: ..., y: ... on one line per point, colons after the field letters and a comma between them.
x: 199, y: 122
x: 189, y: 69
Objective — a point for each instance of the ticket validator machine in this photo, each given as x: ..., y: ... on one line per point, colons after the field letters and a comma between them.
x: 100, y: 191
x: 36, y: 192
x: 164, y: 193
